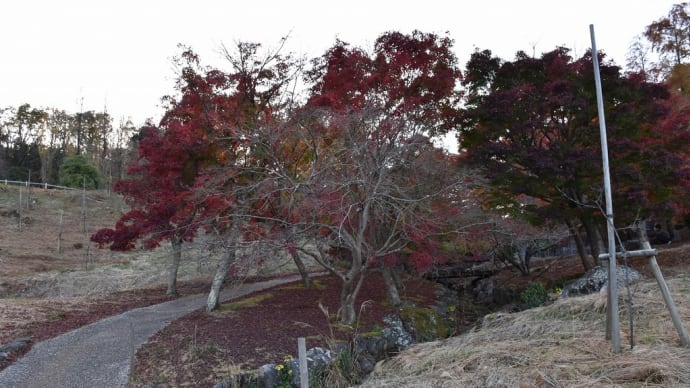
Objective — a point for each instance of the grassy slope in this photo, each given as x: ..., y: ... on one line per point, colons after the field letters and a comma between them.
x: 558, y: 345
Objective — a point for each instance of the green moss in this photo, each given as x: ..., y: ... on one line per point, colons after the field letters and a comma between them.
x: 427, y: 323
x: 315, y: 284
x: 230, y: 307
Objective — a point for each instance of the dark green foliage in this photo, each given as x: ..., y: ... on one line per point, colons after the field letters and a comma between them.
x: 532, y: 126
x: 77, y: 172
x: 534, y: 295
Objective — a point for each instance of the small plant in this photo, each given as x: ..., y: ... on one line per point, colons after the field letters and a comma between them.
x: 534, y: 295
x: 284, y: 373
x: 377, y: 329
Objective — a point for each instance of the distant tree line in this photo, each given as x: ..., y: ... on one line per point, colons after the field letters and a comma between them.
x: 37, y: 143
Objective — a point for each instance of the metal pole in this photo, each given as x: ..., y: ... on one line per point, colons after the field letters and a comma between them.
x: 612, y: 311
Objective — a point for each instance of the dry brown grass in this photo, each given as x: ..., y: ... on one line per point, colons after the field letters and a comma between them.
x: 31, y: 266
x: 560, y: 345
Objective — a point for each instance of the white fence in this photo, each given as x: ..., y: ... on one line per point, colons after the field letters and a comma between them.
x: 7, y: 182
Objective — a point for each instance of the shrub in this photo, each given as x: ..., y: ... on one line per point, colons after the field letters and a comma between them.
x: 534, y: 295
x: 76, y: 171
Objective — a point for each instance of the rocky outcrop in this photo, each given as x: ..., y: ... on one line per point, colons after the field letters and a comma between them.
x: 597, y: 278
x: 487, y: 292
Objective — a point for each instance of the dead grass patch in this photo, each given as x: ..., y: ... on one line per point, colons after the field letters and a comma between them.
x: 558, y: 345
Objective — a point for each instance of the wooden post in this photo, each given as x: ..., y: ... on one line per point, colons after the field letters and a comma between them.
x: 20, y: 208
x: 675, y: 316
x: 83, y: 205
x: 59, y: 236
x: 28, y: 196
x: 87, y: 243
x: 303, y: 367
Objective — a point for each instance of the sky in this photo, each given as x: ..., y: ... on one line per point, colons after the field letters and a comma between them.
x: 117, y: 55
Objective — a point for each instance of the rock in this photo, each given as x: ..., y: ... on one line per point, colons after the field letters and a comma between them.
x: 484, y: 290
x: 597, y: 278
x: 268, y: 375
x: 424, y: 324
x: 396, y: 332
x: 366, y: 364
x: 317, y: 360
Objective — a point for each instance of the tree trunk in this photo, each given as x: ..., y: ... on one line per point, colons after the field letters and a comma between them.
x: 596, y: 244
x: 301, y: 268
x: 222, y: 270
x: 395, y: 271
x: 392, y: 289
x: 580, y: 245
x: 347, y: 314
x: 176, y: 243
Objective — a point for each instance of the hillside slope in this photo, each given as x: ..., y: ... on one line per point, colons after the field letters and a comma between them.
x: 560, y: 345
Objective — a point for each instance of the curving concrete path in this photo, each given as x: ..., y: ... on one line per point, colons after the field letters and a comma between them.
x: 100, y: 354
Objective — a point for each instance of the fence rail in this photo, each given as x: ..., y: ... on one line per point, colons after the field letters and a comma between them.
x: 8, y: 182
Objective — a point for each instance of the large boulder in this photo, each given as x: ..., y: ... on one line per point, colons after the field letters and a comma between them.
x: 597, y: 278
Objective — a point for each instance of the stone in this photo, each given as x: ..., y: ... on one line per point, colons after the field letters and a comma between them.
x: 366, y: 364
x: 268, y: 375
x: 396, y: 332
x: 484, y: 290
x: 597, y: 279
x: 317, y: 359
x: 425, y: 324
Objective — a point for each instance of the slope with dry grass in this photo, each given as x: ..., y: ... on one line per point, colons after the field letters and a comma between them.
x: 32, y: 266
x: 560, y: 345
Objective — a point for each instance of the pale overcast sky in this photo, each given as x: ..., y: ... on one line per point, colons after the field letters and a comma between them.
x: 54, y: 53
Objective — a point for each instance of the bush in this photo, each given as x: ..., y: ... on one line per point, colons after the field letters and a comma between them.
x: 76, y: 171
x: 534, y: 295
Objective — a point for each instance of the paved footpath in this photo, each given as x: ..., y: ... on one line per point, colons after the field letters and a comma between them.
x: 100, y: 354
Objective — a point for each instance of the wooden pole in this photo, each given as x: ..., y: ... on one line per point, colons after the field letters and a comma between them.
x: 303, y: 366
x: 612, y: 306
x: 668, y: 299
x: 639, y: 253
x: 59, y: 236
x: 87, y: 244
x: 20, y: 208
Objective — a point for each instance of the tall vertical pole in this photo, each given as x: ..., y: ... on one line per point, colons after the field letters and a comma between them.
x: 612, y: 310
